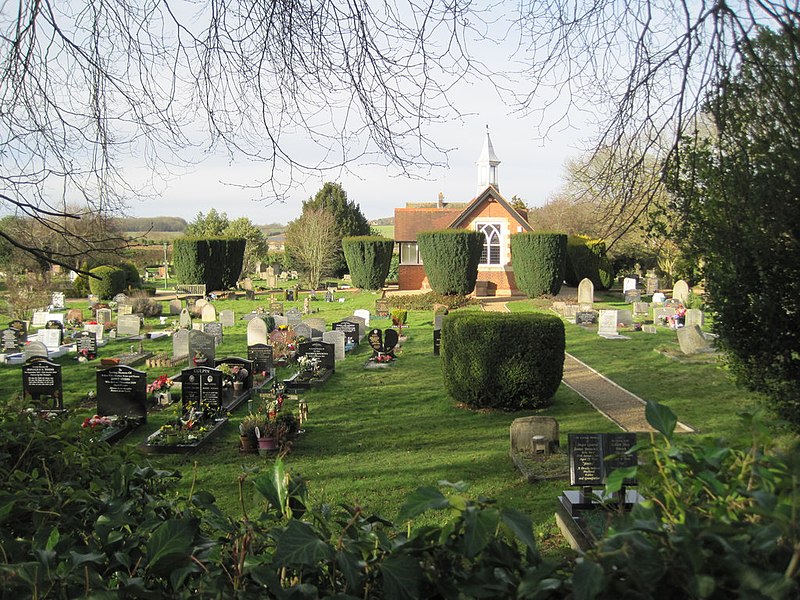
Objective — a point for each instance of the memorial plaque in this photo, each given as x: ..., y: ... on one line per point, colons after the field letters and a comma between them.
x: 41, y: 384
x: 350, y: 331
x: 15, y: 336
x: 57, y: 300
x: 124, y: 309
x: 55, y: 325
x: 39, y: 318
x: 276, y: 308
x: 615, y: 445
x: 261, y: 355
x: 122, y: 391
x: 201, y: 385
x: 324, y: 353
x: 608, y: 323
x: 214, y: 329
x: 87, y: 344
x: 202, y: 348
x: 585, y: 459
x: 375, y: 340
x: 103, y: 315
x: 51, y: 338
x: 382, y: 308
x: 585, y: 317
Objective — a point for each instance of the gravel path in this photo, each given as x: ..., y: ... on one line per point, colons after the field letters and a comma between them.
x: 609, y: 399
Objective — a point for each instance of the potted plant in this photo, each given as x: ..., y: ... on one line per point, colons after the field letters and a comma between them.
x: 160, y: 387
x: 247, y: 433
x: 265, y: 434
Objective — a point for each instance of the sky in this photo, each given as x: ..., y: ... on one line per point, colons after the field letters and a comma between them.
x: 531, y: 167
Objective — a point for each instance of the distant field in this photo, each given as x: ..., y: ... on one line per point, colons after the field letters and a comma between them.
x: 155, y: 236
x: 386, y: 231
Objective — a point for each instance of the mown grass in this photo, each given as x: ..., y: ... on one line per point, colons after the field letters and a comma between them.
x: 376, y: 435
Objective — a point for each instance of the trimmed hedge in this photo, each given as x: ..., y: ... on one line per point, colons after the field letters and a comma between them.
x: 368, y: 259
x: 539, y: 260
x: 450, y: 258
x: 501, y: 360
x: 132, y: 279
x: 216, y: 262
x: 587, y: 258
x: 111, y: 281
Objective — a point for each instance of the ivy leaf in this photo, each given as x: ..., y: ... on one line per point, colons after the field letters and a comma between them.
x: 298, y: 544
x: 521, y: 525
x: 661, y: 418
x: 273, y: 487
x: 402, y: 576
x: 352, y: 568
x: 91, y: 557
x: 587, y: 580
x: 425, y: 498
x: 616, y: 479
x: 170, y: 545
x: 479, y: 528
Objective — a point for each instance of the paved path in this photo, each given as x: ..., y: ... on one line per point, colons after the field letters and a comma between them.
x: 609, y: 399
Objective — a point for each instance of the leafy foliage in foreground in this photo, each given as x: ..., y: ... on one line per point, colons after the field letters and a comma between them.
x: 80, y: 519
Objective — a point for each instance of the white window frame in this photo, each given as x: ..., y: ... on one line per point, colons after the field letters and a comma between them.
x: 406, y: 248
x: 494, y: 227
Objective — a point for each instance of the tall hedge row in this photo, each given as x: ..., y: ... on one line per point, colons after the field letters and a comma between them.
x: 501, y: 360
x: 451, y: 257
x: 107, y: 281
x: 539, y: 260
x: 587, y: 258
x: 368, y: 259
x: 216, y: 262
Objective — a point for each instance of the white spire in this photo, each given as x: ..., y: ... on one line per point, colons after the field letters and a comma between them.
x: 487, y: 166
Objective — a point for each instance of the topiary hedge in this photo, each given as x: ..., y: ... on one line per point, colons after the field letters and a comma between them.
x: 368, y: 259
x: 132, y: 279
x: 107, y: 281
x: 451, y: 257
x: 586, y: 258
x: 539, y: 260
x: 501, y: 360
x: 216, y: 262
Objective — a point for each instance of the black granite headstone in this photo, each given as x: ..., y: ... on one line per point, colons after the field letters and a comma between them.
x: 41, y: 384
x: 87, y: 344
x: 261, y: 355
x: 201, y: 385
x: 586, y: 459
x: 122, y: 391
x: 324, y: 353
x: 350, y: 329
x: 242, y: 363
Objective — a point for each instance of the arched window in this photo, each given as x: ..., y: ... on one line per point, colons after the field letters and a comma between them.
x: 491, y: 243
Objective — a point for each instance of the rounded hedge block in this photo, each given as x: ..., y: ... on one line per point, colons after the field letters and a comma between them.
x: 539, y: 260
x: 587, y: 259
x: 216, y: 262
x: 107, y: 281
x: 450, y: 258
x: 368, y: 259
x: 501, y: 360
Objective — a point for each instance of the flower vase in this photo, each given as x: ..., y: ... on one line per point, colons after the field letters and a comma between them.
x: 163, y: 398
x: 267, y: 444
x: 238, y: 386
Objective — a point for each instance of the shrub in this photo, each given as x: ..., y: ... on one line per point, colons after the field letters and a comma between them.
x: 368, y: 259
x: 216, y: 262
x: 427, y: 301
x: 500, y: 360
x: 394, y: 268
x: 587, y: 258
x: 539, y: 260
x: 108, y: 282
x: 451, y: 259
x: 144, y: 305
x: 132, y: 279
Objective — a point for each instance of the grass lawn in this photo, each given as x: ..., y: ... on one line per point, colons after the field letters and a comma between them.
x: 376, y: 435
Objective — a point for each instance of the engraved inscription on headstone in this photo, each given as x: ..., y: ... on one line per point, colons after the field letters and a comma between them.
x: 201, y: 385
x: 227, y: 318
x: 256, y: 332
x: 585, y: 459
x: 201, y: 348
x: 324, y: 353
x: 350, y: 331
x: 128, y: 325
x: 41, y: 384
x: 261, y: 355
x: 87, y: 344
x: 214, y: 329
x: 122, y: 391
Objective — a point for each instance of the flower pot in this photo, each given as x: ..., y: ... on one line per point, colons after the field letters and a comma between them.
x: 164, y: 398
x: 246, y: 444
x: 267, y: 443
x: 238, y: 386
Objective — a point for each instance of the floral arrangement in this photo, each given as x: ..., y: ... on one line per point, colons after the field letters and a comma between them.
x: 86, y: 354
x: 382, y: 358
x: 162, y: 383
x: 308, y: 364
x: 199, y: 358
x: 97, y: 422
x: 188, y: 428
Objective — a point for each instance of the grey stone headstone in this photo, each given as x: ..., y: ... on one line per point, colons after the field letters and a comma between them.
x: 362, y: 329
x: 97, y: 329
x: 694, y: 316
x: 661, y: 312
x: 316, y: 323
x: 103, y: 315
x: 632, y: 296
x: 124, y: 309
x: 175, y: 307
x: 180, y: 344
x: 524, y: 428
x: 208, y: 314
x: 214, y: 329
x: 586, y: 291
x: 364, y: 314
x: 280, y: 321
x: 607, y: 323
x: 692, y: 340
x: 337, y: 338
x: 202, y: 343
x: 303, y: 330
x: 247, y: 284
x: 200, y: 304
x: 256, y: 332
x: 227, y: 318
x: 120, y: 298
x: 559, y: 307
x: 128, y: 325
x: 680, y: 291
x: 34, y: 350
x: 185, y: 320
x: 51, y: 338
x: 641, y: 308
x: 625, y: 318
x: 628, y: 284
x: 649, y: 329
x: 651, y: 284
x: 293, y: 317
